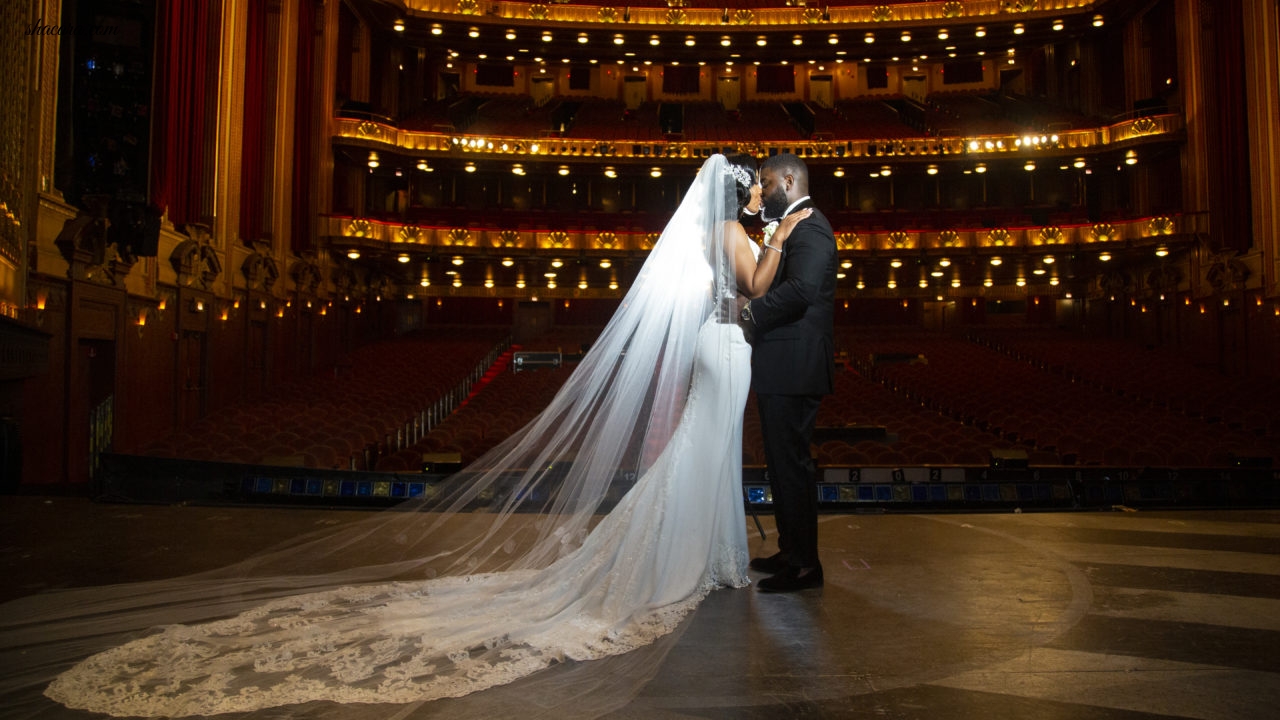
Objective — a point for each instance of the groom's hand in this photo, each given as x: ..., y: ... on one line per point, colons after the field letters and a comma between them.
x: 747, y: 321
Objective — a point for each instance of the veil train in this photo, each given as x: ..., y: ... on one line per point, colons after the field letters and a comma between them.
x: 570, y: 540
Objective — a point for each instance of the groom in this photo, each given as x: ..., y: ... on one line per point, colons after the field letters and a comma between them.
x: 792, y: 364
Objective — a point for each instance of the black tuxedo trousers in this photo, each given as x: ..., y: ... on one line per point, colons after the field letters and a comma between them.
x: 786, y: 422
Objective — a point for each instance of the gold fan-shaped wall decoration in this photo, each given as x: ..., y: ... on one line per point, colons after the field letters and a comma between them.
x: 1144, y: 126
x: 359, y: 227
x: 368, y: 129
x: 1103, y: 232
x: 557, y: 239
x: 949, y: 239
x: 458, y: 237
x: 899, y: 240
x: 607, y: 241
x: 410, y: 234
x: 507, y: 239
x: 1050, y: 236
x: 998, y: 237
x: 1017, y: 6
x: 1160, y: 226
x: 848, y: 241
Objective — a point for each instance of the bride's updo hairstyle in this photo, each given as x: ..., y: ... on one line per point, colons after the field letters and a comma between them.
x: 743, y: 169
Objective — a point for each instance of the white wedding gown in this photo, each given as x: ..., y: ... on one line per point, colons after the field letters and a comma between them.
x: 679, y: 532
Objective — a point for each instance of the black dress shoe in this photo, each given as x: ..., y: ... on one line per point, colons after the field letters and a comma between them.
x: 792, y: 579
x: 773, y: 564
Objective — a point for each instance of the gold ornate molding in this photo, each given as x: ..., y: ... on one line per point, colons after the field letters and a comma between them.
x: 381, y: 137
x: 903, y: 12
x: 344, y: 232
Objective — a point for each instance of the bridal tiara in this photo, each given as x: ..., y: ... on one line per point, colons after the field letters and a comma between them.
x: 742, y: 176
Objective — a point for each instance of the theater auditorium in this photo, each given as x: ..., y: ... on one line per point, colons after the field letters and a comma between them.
x: 274, y: 266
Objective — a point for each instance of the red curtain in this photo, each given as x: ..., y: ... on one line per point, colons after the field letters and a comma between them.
x: 1231, y: 225
x: 254, y: 129
x: 304, y: 106
x: 186, y: 59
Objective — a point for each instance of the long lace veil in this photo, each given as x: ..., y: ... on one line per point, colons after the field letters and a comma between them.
x: 531, y: 500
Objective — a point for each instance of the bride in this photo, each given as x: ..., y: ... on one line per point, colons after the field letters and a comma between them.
x: 591, y: 532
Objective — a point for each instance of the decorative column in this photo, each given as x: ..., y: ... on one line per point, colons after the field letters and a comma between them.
x: 282, y: 16
x: 1262, y: 88
x: 1195, y: 175
x: 229, y: 122
x: 20, y: 95
x: 327, y: 81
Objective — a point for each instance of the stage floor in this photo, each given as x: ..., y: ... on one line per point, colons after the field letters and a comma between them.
x: 1081, y: 615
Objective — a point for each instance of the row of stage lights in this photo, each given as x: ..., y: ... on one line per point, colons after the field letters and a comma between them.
x: 1011, y: 59
x: 611, y: 172
x: 726, y: 41
x: 655, y: 40
x: 939, y: 271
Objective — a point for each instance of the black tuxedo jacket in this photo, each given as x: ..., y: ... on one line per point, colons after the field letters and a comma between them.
x: 793, y: 352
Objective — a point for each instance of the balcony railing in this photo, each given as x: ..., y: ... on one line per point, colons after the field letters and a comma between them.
x: 382, y: 136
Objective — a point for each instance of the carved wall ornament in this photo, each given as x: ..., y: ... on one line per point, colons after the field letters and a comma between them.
x: 410, y: 234
x: 558, y: 239
x: 85, y: 245
x: 952, y: 9
x: 607, y: 241
x: 811, y: 16
x: 259, y: 268
x: 743, y: 16
x: 345, y: 279
x: 195, y: 260
x: 882, y: 13
x: 1226, y: 271
x: 1163, y: 279
x: 378, y: 286
x: 306, y: 275
x: 1115, y: 283
x: 648, y: 241
x: 676, y: 16
x: 949, y: 238
x: 468, y: 7
x: 537, y: 11
x: 608, y: 14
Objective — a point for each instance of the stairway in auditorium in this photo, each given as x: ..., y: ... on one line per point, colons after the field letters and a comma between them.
x: 498, y: 367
